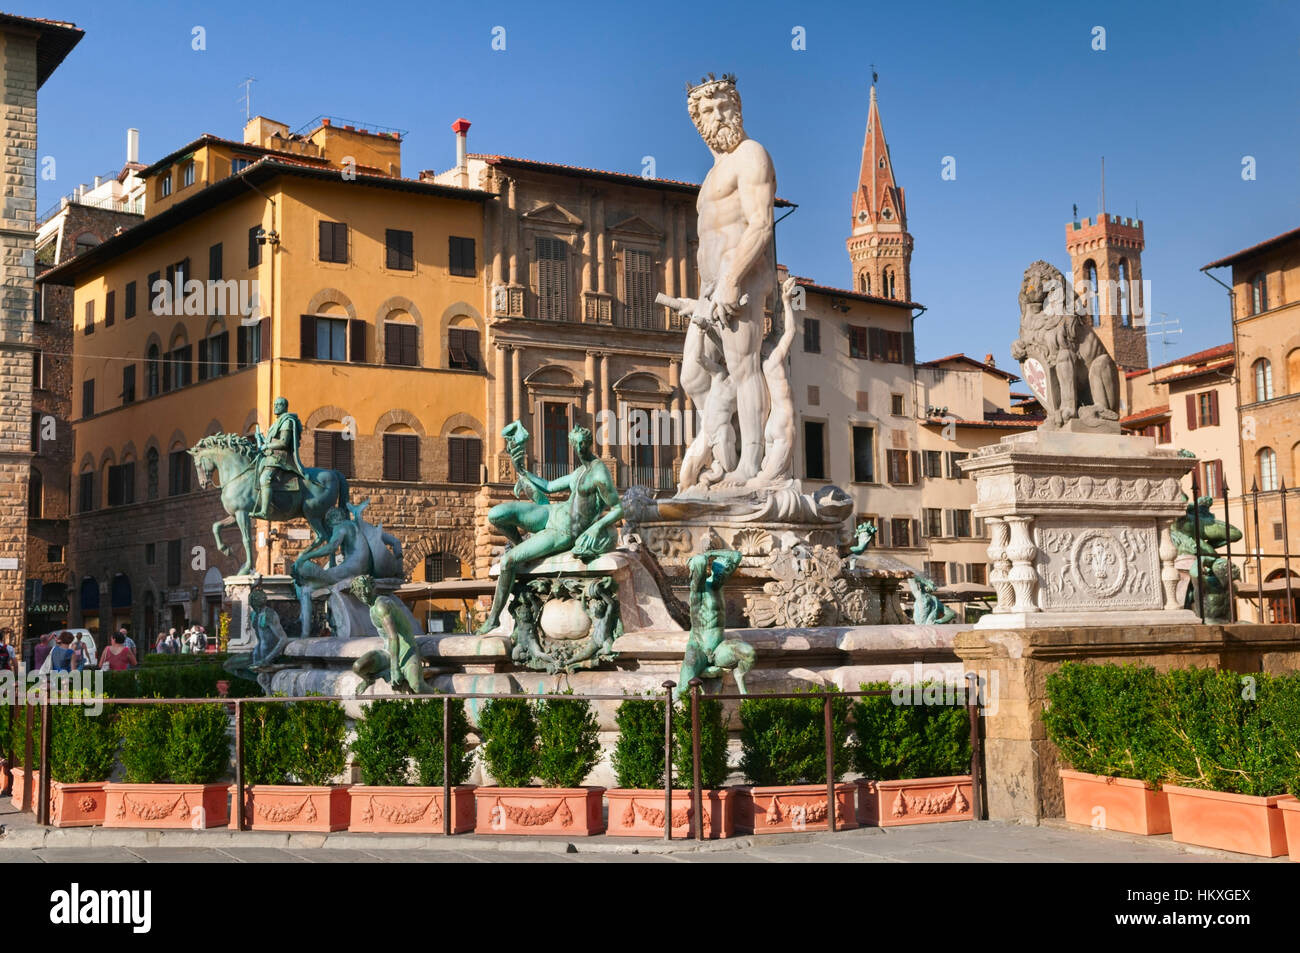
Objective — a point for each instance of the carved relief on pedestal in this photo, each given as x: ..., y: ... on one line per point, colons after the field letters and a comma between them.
x: 1058, y: 488
x: 1098, y: 567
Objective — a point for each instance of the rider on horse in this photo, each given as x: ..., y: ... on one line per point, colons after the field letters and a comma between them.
x: 279, y: 447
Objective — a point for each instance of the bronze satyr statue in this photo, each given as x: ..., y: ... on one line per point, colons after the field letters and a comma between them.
x: 708, y: 652
x: 399, y: 661
x: 583, y: 524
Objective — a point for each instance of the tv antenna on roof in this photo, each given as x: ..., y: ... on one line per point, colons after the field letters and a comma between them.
x: 247, y: 98
x: 1167, y: 327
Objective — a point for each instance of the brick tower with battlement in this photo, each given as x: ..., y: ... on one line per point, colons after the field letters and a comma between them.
x: 880, y: 248
x: 1106, y: 264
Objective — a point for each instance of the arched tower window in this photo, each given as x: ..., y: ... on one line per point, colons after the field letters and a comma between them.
x: 864, y: 283
x: 1263, y: 379
x: 1094, y: 304
x: 1125, y: 314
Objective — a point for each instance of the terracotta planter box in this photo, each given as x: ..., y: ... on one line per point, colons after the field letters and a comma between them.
x: 296, y: 807
x: 409, y: 810
x: 1290, y: 808
x: 796, y: 807
x: 637, y: 813
x: 20, y: 782
x: 572, y: 812
x: 75, y: 805
x: 915, y: 801
x: 1126, y: 804
x: 193, y: 806
x: 1238, y: 822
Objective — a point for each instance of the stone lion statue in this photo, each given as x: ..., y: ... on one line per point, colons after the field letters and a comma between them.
x: 1078, y: 380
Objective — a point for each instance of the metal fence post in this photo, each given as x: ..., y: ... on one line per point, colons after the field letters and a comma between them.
x: 446, y: 766
x: 668, y: 759
x: 976, y: 755
x: 241, y: 822
x: 830, y: 762
x: 47, y: 728
x: 697, y: 797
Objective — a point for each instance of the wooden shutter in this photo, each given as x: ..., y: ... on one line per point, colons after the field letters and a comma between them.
x: 264, y: 333
x: 214, y: 262
x: 357, y: 340
x: 324, y: 453
x: 241, y: 345
x: 87, y: 398
x: 224, y: 352
x: 456, y: 460
x: 340, y: 242
x: 1191, y: 411
x: 167, y: 372
x: 876, y: 341
x: 916, y: 467
x: 392, y: 456
x: 410, y: 444
x: 307, y: 335
x: 909, y: 348
x: 1214, y: 408
x: 110, y: 309
x: 392, y: 344
x: 203, y: 359
x: 326, y: 241
x: 410, y: 341
x: 342, y: 453
x: 473, y: 459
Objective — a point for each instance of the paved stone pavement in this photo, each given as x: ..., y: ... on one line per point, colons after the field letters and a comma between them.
x: 971, y: 842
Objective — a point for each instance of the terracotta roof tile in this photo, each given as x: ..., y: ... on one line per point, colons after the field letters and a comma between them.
x: 1253, y: 249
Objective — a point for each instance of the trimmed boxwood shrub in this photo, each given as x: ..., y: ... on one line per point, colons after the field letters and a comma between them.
x: 897, y: 741
x: 426, y: 748
x: 1104, y: 720
x: 568, y: 745
x: 83, y: 746
x: 298, y: 742
x: 198, y: 745
x: 380, y: 748
x: 509, y: 747
x: 639, y: 752
x: 145, y: 730
x: 782, y: 739
x: 182, y: 678
x: 266, y: 743
x: 713, y: 745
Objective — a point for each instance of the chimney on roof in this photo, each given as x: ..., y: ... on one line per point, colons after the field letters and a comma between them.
x: 461, y: 128
x: 988, y: 359
x: 133, y: 145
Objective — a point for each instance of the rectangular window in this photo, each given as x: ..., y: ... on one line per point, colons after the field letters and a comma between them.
x: 179, y: 466
x: 150, y: 554
x: 898, y: 468
x: 932, y: 463
x: 900, y: 533
x: 178, y: 368
x: 954, y: 459
x: 88, y: 398
x: 893, y: 347
x: 460, y: 255
x: 897, y: 407
x: 86, y: 492
x: 128, y: 301
x: 252, y: 342
x: 121, y: 484
x: 402, y: 457
x: 110, y: 308
x: 254, y: 246
x: 331, y: 339
x: 90, y: 318
x: 858, y: 342
x: 938, y: 573
x: 214, y: 262
x: 401, y: 344
x: 814, y: 395
x: 128, y: 384
x: 334, y: 242
x: 981, y: 530
x: 1212, y: 478
x: 814, y: 450
x: 334, y: 451
x: 876, y: 344
x: 240, y: 163
x: 462, y: 349
x: 165, y: 184
x: 464, y: 459
x: 173, y: 562
x: 555, y: 440
x: 955, y: 573
x: 812, y: 336
x: 638, y: 287
x: 399, y: 250
x: 214, y: 356
x: 187, y: 174
x: 552, y: 279
x: 932, y: 522
x: 864, y: 455
x: 977, y: 573
x: 961, y: 524
x: 1163, y: 433
x: 54, y: 553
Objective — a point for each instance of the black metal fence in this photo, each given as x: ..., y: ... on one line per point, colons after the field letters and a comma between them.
x: 44, y: 732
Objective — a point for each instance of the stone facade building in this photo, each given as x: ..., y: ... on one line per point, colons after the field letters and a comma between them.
x: 305, y: 267
x: 30, y: 50
x: 1264, y: 296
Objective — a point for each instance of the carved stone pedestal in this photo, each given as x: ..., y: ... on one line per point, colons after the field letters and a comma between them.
x: 1079, y: 529
x: 280, y: 596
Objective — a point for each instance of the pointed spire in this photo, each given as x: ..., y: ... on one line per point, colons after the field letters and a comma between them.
x: 877, y: 193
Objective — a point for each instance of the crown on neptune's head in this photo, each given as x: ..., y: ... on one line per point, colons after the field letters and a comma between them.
x: 708, y: 83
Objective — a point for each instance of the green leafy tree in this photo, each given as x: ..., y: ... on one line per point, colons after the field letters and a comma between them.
x: 509, y: 741
x: 568, y: 741
x: 899, y: 741
x: 783, y: 739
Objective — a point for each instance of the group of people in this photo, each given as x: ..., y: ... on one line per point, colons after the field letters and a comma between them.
x: 71, y: 652
x: 192, y: 640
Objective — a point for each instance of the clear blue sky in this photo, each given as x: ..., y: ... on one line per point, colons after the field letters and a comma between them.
x: 1014, y: 92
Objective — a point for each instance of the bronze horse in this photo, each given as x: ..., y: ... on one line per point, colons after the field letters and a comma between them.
x: 235, y: 459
